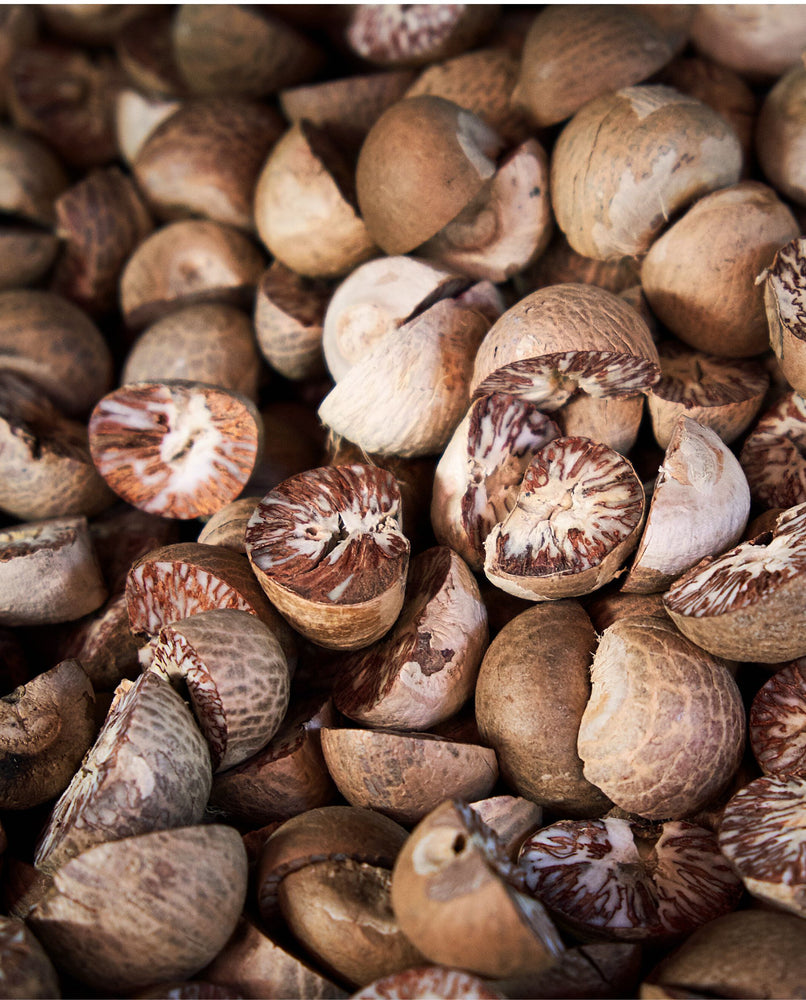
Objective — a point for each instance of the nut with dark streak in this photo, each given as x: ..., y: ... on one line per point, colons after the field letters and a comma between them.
x: 777, y: 722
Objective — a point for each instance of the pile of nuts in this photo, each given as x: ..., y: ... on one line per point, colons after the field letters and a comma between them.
x: 402, y: 501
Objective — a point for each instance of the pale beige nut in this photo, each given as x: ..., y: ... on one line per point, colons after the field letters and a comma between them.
x: 747, y: 604
x: 760, y: 41
x: 629, y: 160
x: 239, y: 699
x: 663, y: 731
x: 781, y: 137
x: 611, y: 420
x: 327, y: 548
x: 699, y: 507
x: 149, y: 769
x: 288, y: 317
x: 175, y: 448
x: 783, y: 299
x: 422, y: 672
x: 48, y: 572
x: 136, y: 116
x: 163, y: 905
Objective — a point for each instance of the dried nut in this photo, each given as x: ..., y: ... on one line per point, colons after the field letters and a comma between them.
x: 777, y: 735
x: 145, y: 54
x: 237, y: 49
x: 530, y: 697
x: 740, y: 954
x: 304, y: 206
x: 609, y: 603
x: 542, y: 349
x: 772, y: 455
x: 759, y: 41
x: 709, y: 298
x: 477, y: 478
x: 257, y: 966
x: 720, y: 393
x: 656, y: 698
x: 188, y: 990
x: 340, y: 911
x: 560, y: 264
x: 100, y: 220
x: 618, y: 880
x: 136, y: 117
x: 418, y: 34
x: 428, y: 980
x: 332, y: 832
x: 227, y: 526
x: 406, y: 775
x: 618, y: 46
x: 122, y: 534
x: 346, y: 107
x: 45, y: 466
x: 211, y: 342
x: 506, y: 226
x: 780, y: 135
x: 609, y: 969
x: 48, y: 572
x: 239, y: 702
x: 577, y: 518
x: 287, y: 777
x: 18, y: 29
x: 159, y: 906
x: 66, y: 97
x: 747, y: 604
x: 700, y: 506
x: 46, y: 727
x: 27, y: 972
x: 629, y: 160
x: 26, y: 255
x: 293, y: 443
x: 760, y: 834
x: 422, y: 162
x: 31, y: 176
x: 55, y: 344
x: 376, y: 299
x: 511, y: 819
x: 783, y: 298
x: 326, y: 547
x: 149, y: 769
x: 104, y: 645
x: 289, y: 316
x: 459, y: 899
x: 175, y: 448
x: 425, y: 669
x: 408, y: 392
x: 611, y: 420
x: 481, y: 81
x: 180, y: 175
x: 92, y: 24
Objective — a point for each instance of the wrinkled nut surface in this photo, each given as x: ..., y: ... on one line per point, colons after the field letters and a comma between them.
x: 772, y: 454
x: 784, y: 302
x: 777, y: 732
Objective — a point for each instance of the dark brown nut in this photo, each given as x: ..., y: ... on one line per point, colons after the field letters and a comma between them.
x: 55, y: 344
x: 25, y: 969
x: 332, y: 832
x: 618, y: 46
x: 304, y: 206
x: 237, y: 49
x: 758, y: 41
x: 628, y: 160
x: 783, y: 292
x: 48, y: 572
x: 326, y: 547
x: 211, y: 342
x: 422, y: 162
x: 577, y: 518
x: 104, y: 645
x: 287, y: 777
x: 542, y: 349
x: 18, y: 29
x: 623, y: 881
x: 31, y: 176
x: 289, y: 315
x: 100, y: 220
x: 163, y: 905
x: 145, y: 54
x: 406, y: 775
x: 186, y: 263
x: 760, y: 834
x: 425, y: 669
x: 699, y: 507
x: 26, y: 255
x: 46, y: 469
x: 175, y: 448
x: 204, y: 159
x: 560, y: 263
x: 294, y: 442
x: 257, y: 966
x: 92, y: 24
x: 239, y: 701
x: 746, y: 604
x: 610, y: 603
x: 743, y: 953
x: 149, y: 769
x: 530, y: 696
x: 122, y: 534
x: 607, y: 970
x: 777, y: 733
x: 657, y: 697
x: 720, y: 393
x: 709, y: 297
x: 46, y: 727
x: 459, y: 899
